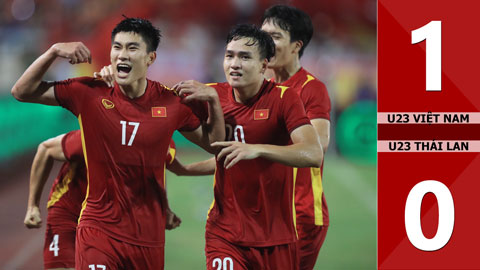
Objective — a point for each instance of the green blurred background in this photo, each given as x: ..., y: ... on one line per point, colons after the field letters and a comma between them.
x: 342, y: 54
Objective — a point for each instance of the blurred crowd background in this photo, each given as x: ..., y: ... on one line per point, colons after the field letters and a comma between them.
x: 342, y: 54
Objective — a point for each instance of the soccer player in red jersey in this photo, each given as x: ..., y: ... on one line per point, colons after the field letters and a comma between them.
x: 66, y: 196
x: 126, y: 130
x: 251, y: 222
x: 65, y: 200
x: 291, y: 30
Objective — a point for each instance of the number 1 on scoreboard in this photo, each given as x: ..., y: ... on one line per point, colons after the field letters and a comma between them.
x: 432, y: 33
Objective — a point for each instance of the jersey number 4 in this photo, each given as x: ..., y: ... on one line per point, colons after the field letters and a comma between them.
x: 124, y: 131
x: 54, y: 245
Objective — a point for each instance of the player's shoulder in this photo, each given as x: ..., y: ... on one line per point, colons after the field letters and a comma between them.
x: 219, y: 85
x: 91, y: 82
x: 308, y: 80
x: 278, y: 91
x: 87, y: 82
x: 221, y: 88
x: 160, y: 89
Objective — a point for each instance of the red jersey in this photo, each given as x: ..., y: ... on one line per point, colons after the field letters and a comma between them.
x: 253, y: 204
x: 68, y: 189
x: 125, y: 142
x: 310, y: 204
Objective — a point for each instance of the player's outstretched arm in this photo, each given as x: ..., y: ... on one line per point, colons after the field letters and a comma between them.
x: 47, y: 152
x: 205, y: 167
x: 305, y: 151
x: 214, y: 128
x: 30, y: 87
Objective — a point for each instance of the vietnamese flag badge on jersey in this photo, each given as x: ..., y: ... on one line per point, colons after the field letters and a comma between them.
x: 159, y: 112
x: 260, y: 114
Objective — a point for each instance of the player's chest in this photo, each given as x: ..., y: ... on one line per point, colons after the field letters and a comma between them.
x: 129, y: 123
x: 260, y: 123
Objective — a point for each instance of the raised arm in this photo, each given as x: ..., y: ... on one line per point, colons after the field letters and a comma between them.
x: 47, y: 152
x: 305, y: 150
x: 31, y: 87
x: 214, y: 128
x: 205, y: 167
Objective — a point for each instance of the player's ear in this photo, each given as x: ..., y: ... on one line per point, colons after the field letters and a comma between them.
x: 264, y: 65
x: 297, y: 46
x: 151, y: 57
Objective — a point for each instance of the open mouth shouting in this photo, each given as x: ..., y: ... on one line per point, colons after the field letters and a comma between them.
x: 235, y: 75
x: 123, y: 70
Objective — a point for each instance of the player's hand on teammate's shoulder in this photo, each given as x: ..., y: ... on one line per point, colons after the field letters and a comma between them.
x: 172, y: 220
x: 194, y: 90
x: 233, y: 152
x: 33, y: 218
x: 106, y: 74
x: 75, y: 52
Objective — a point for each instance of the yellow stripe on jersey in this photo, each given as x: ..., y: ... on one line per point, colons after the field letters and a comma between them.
x: 172, y: 153
x: 293, y: 205
x: 309, y: 78
x: 62, y: 187
x: 84, y: 203
x: 214, y: 181
x: 210, y: 84
x: 317, y: 195
x: 284, y: 88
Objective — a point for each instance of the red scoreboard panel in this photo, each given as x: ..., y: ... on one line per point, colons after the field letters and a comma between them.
x: 428, y: 134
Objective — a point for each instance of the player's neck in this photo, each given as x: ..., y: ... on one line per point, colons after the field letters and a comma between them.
x: 281, y: 74
x: 244, y: 94
x: 134, y: 90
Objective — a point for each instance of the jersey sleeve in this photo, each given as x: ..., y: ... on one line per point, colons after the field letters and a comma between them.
x: 315, y: 98
x: 189, y: 121
x: 200, y: 109
x: 70, y: 93
x: 293, y: 112
x: 72, y: 145
x: 171, y: 153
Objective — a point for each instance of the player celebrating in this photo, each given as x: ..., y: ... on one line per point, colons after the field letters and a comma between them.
x: 251, y: 222
x: 126, y: 130
x: 291, y: 30
x: 65, y: 200
x: 66, y: 197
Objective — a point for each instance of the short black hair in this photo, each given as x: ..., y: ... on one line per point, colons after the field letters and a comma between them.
x: 150, y: 34
x: 293, y: 20
x: 258, y: 37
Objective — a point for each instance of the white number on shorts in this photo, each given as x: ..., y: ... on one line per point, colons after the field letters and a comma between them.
x: 54, y: 245
x: 99, y: 267
x: 124, y: 131
x: 227, y: 263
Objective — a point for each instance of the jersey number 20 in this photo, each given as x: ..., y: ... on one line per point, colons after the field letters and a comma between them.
x: 235, y: 133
